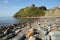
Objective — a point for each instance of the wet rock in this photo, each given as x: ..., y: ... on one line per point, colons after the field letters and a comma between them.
x: 15, y: 24
x: 10, y: 36
x: 22, y: 37
x: 2, y: 35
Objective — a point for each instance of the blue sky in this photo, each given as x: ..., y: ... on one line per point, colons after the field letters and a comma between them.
x: 10, y: 7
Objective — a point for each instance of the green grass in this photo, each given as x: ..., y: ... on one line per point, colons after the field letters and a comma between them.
x: 30, y: 11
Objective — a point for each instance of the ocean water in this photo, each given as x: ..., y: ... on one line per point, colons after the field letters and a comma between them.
x: 6, y: 21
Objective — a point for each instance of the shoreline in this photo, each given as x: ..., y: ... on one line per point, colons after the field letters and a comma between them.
x: 41, y: 17
x: 32, y: 19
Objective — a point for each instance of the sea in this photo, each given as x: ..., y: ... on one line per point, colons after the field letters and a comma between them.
x: 6, y: 21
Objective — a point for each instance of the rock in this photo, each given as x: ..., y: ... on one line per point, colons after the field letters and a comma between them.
x: 22, y: 37
x: 29, y: 33
x: 2, y: 35
x: 54, y: 35
x: 17, y: 31
x: 15, y: 24
x: 12, y: 35
x: 54, y: 28
x: 32, y: 38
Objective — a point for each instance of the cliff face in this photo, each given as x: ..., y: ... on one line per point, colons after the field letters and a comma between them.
x: 53, y: 12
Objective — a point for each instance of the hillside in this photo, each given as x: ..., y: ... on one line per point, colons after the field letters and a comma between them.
x: 53, y: 12
x: 31, y: 11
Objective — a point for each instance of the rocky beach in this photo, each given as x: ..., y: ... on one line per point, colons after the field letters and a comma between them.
x: 38, y: 29
x: 29, y: 19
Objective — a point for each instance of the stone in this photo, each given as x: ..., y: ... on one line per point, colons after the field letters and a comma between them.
x: 29, y: 33
x: 32, y: 38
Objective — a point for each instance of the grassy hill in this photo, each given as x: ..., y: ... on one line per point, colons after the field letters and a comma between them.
x: 31, y: 11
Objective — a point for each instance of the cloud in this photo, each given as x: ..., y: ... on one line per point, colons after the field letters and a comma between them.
x: 6, y: 1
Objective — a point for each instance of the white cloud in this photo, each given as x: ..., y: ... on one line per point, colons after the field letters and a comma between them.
x: 6, y: 1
